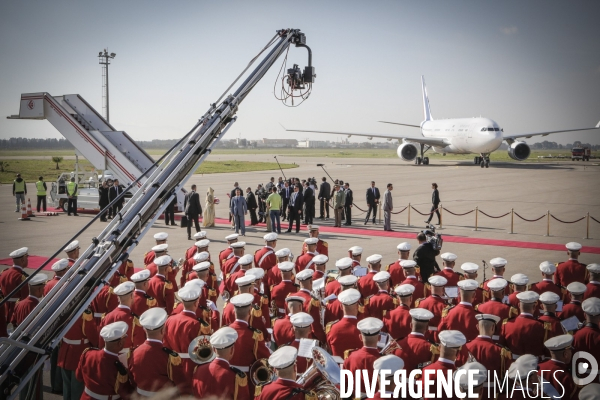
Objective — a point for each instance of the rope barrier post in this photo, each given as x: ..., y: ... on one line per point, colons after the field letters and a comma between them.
x: 476, y: 217
x: 548, y: 223
x: 587, y: 232
x: 441, y: 220
x: 408, y: 215
x: 512, y: 220
x: 380, y: 211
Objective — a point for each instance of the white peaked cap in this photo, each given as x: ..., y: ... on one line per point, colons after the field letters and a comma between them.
x: 311, y: 240
x: 189, y: 293
x: 594, y: 268
x: 369, y: 325
x: 590, y: 392
x: 480, y: 375
x: 246, y: 259
x: 449, y: 257
x: 591, y: 306
x: 38, y: 279
x: 301, y: 320
x: 291, y: 297
x: 61, y: 264
x: 573, y: 246
x: 140, y: 276
x: 286, y: 266
x: 285, y: 252
x: 343, y: 263
x: 245, y: 280
x: 202, y: 243
x: 203, y: 266
x: 347, y: 280
x: 19, y: 252
x: 231, y: 237
x: 114, y: 331
x: 437, y: 280
x: 451, y: 338
x: 408, y: 263
x: 404, y: 290
x: 522, y: 366
x: 269, y: 237
x: 356, y: 250
x: 257, y: 273
x: 498, y: 262
x: 576, y: 288
x: 161, y: 236
x: 389, y: 362
x: 559, y: 342
x: 313, y: 227
x: 305, y: 274
x: 159, y: 248
x: 124, y: 288
x: 223, y: 338
x: 320, y: 259
x: 420, y: 314
x: 242, y: 300
x: 283, y: 357
x: 72, y: 246
x: 487, y: 317
x: 238, y: 245
x: 404, y: 246
x: 469, y: 267
x: 381, y: 276
x: 162, y: 260
x: 547, y: 267
x: 374, y: 258
x: 349, y: 297
x: 497, y: 284
x: 468, y: 284
x: 153, y: 318
x: 202, y: 256
x: 519, y: 279
x: 549, y: 298
x: 528, y: 297
x: 195, y: 283
x: 199, y: 235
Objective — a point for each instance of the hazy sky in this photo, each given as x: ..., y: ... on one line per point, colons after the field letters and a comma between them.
x: 530, y: 66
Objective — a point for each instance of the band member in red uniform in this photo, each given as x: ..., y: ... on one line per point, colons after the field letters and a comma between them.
x: 135, y: 334
x: 101, y: 371
x: 355, y: 253
x: 273, y: 275
x: 571, y: 270
x: 334, y: 308
x: 516, y: 333
x: 59, y: 268
x: 188, y: 266
x: 11, y: 278
x: 26, y: 306
x: 366, y: 286
x: 301, y: 323
x: 283, y: 330
x: 483, y: 348
x: 415, y: 348
x: 197, y: 247
x: 160, y: 287
x: 547, y: 283
x: 280, y: 291
x: 344, y: 265
x: 450, y: 344
x: 160, y: 238
x: 265, y: 258
x: 226, y: 254
x: 495, y: 306
x: 593, y: 286
x: 229, y: 287
x: 285, y: 386
x: 476, y: 383
x: 105, y: 301
x: 322, y: 246
x: 344, y: 335
x: 576, y: 291
x: 556, y: 370
x: 142, y: 301
x: 397, y: 322
x: 159, y: 250
x: 218, y: 378
x: 382, y: 303
x: 154, y: 367
x: 436, y: 303
x: 363, y: 358
x: 395, y: 270
x: 552, y: 324
x: 498, y: 265
x: 518, y: 285
x: 260, y: 299
x: 588, y: 337
x: 320, y: 267
x: 409, y: 267
x: 448, y: 272
x: 391, y: 363
x: 470, y: 272
x: 231, y: 265
x: 462, y: 316
x: 312, y: 305
x: 258, y: 320
x: 305, y: 260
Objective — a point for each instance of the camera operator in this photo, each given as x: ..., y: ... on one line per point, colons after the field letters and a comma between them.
x: 262, y: 207
x: 425, y: 255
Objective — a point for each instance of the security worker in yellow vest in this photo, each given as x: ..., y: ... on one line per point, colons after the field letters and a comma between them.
x: 41, y: 194
x: 72, y: 193
x: 19, y: 191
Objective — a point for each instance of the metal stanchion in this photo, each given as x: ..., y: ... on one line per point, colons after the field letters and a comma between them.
x: 409, y: 215
x: 380, y: 210
x: 441, y: 220
x: 476, y: 217
x: 587, y: 232
x: 512, y: 220
x: 548, y: 223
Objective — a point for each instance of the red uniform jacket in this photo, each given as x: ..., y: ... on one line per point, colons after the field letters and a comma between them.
x: 523, y: 335
x: 104, y: 302
x: 381, y: 304
x: 436, y: 305
x: 334, y: 311
x: 154, y: 367
x: 23, y: 309
x: 283, y: 331
x: 265, y: 258
x: 257, y: 318
x: 135, y: 334
x: 588, y: 339
x: 554, y: 371
x: 367, y: 286
x: 343, y: 335
x: 481, y: 296
x: 142, y: 302
x: 50, y: 285
x: 163, y: 291
x: 460, y: 318
x: 312, y: 306
x: 572, y: 309
x: 204, y: 313
x: 451, y: 275
x: 397, y: 322
x: 362, y: 358
x: 272, y: 278
x: 301, y: 362
x: 281, y: 389
x: 396, y: 273
x: 593, y: 290
x: 552, y: 326
x: 225, y: 255
x: 9, y: 279
x: 570, y: 271
x: 191, y: 252
x: 230, y: 266
x: 305, y: 261
x: 322, y: 247
x: 333, y: 287
x: 102, y: 373
x: 419, y: 288
x: 149, y: 257
x: 229, y: 284
x: 416, y: 351
x: 83, y: 334
x: 499, y: 309
x: 280, y: 292
x: 219, y: 379
x: 249, y: 347
x: 547, y: 285
x: 493, y: 356
x: 437, y: 366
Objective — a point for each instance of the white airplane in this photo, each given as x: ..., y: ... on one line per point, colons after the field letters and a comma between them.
x: 455, y: 136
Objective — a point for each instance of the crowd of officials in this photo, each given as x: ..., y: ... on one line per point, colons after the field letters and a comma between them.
x: 149, y: 330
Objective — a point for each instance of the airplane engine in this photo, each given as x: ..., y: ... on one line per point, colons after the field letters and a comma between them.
x: 519, y: 151
x: 407, y: 151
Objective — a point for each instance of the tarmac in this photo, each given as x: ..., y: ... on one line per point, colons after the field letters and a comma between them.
x: 568, y: 190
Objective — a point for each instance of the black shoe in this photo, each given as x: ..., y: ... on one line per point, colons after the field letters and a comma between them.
x: 69, y: 215
x: 77, y: 215
x: 365, y: 222
x: 288, y: 231
x: 189, y: 238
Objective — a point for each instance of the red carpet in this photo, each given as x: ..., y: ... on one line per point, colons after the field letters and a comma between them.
x: 34, y: 262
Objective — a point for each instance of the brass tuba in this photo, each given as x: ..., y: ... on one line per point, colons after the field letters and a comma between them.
x: 390, y: 347
x: 261, y: 373
x: 200, y: 350
x: 322, y: 376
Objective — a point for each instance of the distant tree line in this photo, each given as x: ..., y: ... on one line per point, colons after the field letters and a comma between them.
x: 64, y: 144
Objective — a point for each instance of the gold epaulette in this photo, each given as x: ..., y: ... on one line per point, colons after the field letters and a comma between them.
x: 136, y: 321
x: 361, y: 308
x: 206, y: 314
x: 151, y: 302
x: 329, y: 325
x: 256, y: 312
x: 461, y: 277
x: 205, y: 328
x: 212, y: 292
x: 513, y: 312
x: 174, y: 360
x: 366, y: 301
x: 387, y: 268
x: 265, y: 299
x: 257, y: 390
x: 168, y: 285
x: 563, y: 290
x: 547, y: 328
x: 176, y: 304
x: 129, y: 264
x: 87, y: 315
x: 505, y: 321
x: 122, y: 375
x: 315, y: 303
x: 348, y: 352
x: 324, y: 243
x: 241, y: 380
x: 310, y: 396
x: 395, y: 300
x: 477, y: 307
x: 418, y: 269
x: 485, y: 295
x: 123, y: 279
x: 435, y: 350
x: 481, y: 284
x: 418, y: 301
x: 257, y: 336
x: 446, y: 310
x: 384, y: 312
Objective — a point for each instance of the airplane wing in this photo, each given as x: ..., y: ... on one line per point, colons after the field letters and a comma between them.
x: 511, y: 138
x: 421, y: 139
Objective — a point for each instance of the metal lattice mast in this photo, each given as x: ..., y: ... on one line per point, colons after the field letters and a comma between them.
x: 105, y: 58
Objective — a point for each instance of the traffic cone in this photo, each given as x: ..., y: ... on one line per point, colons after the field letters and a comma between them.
x: 29, y: 210
x: 24, y: 216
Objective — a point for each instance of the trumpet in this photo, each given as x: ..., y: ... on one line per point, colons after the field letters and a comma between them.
x: 200, y: 350
x: 390, y: 347
x: 261, y: 373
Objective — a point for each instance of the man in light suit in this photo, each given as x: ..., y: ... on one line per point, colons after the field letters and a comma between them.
x: 373, y: 197
x: 339, y: 199
x: 239, y: 208
x: 388, y: 206
x: 193, y: 210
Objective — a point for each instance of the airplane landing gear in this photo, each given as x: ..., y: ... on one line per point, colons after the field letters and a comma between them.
x: 483, y: 161
x: 425, y: 160
x: 422, y: 160
x: 418, y: 161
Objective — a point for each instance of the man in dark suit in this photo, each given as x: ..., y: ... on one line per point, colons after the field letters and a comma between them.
x: 309, y: 203
x: 435, y: 200
x: 113, y: 192
x: 193, y: 209
x: 252, y: 205
x: 324, y: 196
x: 103, y: 199
x: 348, y: 204
x: 373, y: 197
x: 424, y: 256
x: 295, y: 208
x: 170, y: 212
x: 286, y: 193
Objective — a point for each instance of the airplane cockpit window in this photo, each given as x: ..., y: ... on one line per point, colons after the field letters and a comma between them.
x: 483, y: 129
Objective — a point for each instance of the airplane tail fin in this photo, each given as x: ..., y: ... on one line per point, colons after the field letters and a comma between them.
x: 426, y: 109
